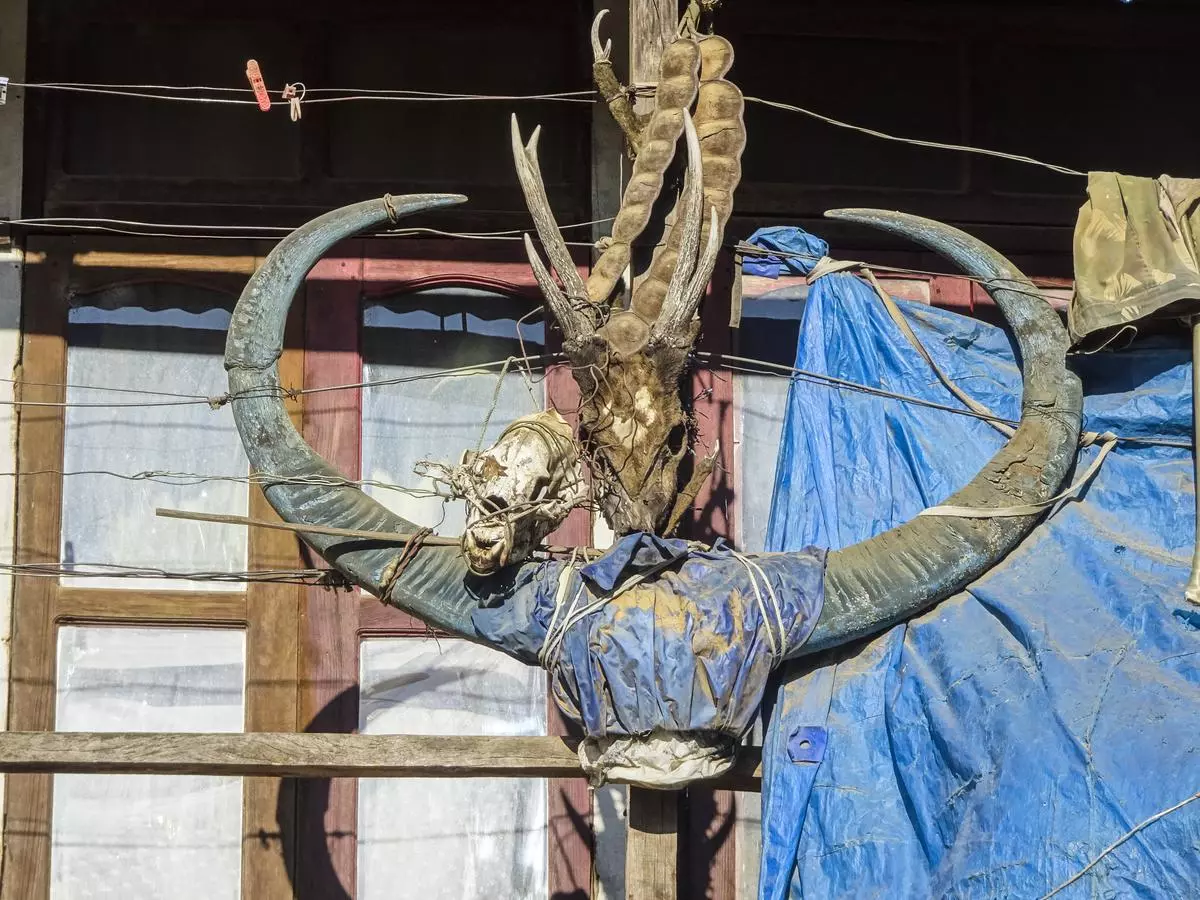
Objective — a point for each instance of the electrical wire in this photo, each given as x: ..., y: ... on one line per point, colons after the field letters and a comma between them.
x: 763, y: 367
x: 115, y: 570
x: 590, y: 96
x: 142, y: 91
x: 249, y: 232
x: 916, y: 142
x: 191, y: 479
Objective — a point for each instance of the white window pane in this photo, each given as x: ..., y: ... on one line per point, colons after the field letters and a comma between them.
x: 143, y: 837
x: 769, y: 332
x: 450, y: 839
x: 111, y: 521
x: 762, y: 403
x: 438, y: 419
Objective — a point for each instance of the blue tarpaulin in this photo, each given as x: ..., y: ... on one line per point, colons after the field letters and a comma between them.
x: 996, y: 745
x: 659, y: 635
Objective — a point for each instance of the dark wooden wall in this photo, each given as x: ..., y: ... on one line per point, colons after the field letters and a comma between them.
x: 1089, y: 84
x: 186, y: 162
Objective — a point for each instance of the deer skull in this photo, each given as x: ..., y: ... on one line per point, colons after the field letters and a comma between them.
x: 629, y: 362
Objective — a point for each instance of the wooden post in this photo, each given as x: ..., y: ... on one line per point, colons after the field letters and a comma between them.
x: 651, y: 868
x: 610, y: 167
x: 13, y: 15
x: 653, y: 844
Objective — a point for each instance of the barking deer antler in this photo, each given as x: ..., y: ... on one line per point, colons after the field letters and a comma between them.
x: 629, y: 362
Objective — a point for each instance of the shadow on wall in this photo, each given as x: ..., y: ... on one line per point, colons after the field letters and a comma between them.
x: 308, y: 848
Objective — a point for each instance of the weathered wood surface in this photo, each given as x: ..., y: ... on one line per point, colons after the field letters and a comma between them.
x: 652, y: 852
x: 309, y: 755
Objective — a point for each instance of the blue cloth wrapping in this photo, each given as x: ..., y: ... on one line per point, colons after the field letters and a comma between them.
x: 787, y: 239
x: 685, y: 650
x: 996, y: 745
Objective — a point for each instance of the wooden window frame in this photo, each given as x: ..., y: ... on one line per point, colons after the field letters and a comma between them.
x: 298, y: 836
x: 56, y: 270
x: 338, y: 289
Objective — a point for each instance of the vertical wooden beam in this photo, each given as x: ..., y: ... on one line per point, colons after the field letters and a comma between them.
x: 710, y: 846
x: 569, y: 803
x: 14, y: 16
x: 39, y: 514
x: 652, y: 25
x: 651, y: 868
x: 653, y: 844
x: 327, y: 808
x: 269, y: 804
x: 610, y: 168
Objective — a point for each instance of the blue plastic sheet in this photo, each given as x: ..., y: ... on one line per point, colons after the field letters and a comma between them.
x: 996, y: 745
x: 671, y: 636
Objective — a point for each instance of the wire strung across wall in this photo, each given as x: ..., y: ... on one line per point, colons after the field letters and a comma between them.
x: 331, y: 579
x: 260, y: 232
x: 315, y: 577
x: 174, y: 93
x: 719, y: 360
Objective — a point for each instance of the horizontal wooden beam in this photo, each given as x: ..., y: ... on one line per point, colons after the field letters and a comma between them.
x: 312, y: 756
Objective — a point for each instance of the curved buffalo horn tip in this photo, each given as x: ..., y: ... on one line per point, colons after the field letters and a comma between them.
x: 600, y: 53
x: 900, y: 573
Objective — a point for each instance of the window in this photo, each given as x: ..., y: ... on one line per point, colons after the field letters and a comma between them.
x: 137, y: 634
x: 148, y: 835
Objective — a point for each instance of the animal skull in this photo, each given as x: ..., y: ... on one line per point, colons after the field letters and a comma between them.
x: 517, y: 491
x: 629, y: 362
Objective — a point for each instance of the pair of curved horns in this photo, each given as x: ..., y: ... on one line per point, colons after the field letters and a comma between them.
x: 868, y: 587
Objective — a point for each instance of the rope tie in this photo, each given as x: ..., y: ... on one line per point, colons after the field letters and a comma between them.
x: 561, y: 622
x: 1107, y: 441
x: 768, y: 608
x: 826, y: 266
x: 397, y: 567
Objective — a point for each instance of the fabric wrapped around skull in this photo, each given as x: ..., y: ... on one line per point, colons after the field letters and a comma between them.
x: 660, y: 649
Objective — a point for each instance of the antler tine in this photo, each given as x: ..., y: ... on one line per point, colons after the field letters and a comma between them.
x: 691, y: 204
x: 675, y: 318
x: 530, y: 176
x: 572, y: 321
x: 599, y: 53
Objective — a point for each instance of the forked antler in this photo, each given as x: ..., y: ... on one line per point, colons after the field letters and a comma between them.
x: 567, y: 308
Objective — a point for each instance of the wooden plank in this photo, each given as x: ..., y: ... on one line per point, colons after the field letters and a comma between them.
x: 171, y: 262
x: 652, y: 25
x: 191, y: 608
x: 327, y: 809
x: 609, y: 166
x: 39, y: 511
x: 652, y: 848
x: 294, y: 755
x: 272, y: 658
x: 651, y: 867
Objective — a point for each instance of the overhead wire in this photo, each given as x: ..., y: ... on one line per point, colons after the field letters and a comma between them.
x: 917, y: 142
x: 173, y: 93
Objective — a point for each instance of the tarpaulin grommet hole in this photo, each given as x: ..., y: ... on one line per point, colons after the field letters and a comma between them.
x: 807, y: 744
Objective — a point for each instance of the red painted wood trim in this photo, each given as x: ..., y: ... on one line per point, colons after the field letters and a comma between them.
x: 569, y: 804
x: 712, y: 390
x: 401, y: 267
x: 707, y: 839
x: 328, y: 841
